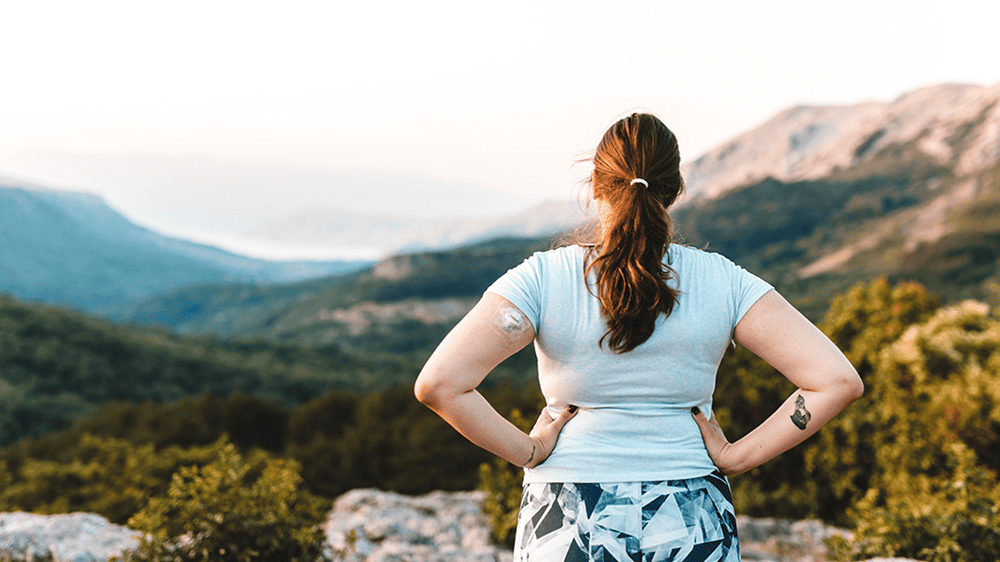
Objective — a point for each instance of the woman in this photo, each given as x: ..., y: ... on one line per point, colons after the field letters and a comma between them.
x: 629, y: 334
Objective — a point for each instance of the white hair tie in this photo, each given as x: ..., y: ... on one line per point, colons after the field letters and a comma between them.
x: 639, y: 180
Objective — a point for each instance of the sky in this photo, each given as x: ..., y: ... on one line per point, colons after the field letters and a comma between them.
x: 205, y: 118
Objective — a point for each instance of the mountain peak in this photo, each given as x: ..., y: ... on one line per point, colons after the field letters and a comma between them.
x: 950, y: 123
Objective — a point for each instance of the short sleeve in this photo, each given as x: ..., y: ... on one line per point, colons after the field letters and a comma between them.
x: 747, y: 289
x: 522, y: 287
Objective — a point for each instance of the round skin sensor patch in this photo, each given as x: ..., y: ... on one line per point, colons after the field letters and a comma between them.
x: 511, y: 322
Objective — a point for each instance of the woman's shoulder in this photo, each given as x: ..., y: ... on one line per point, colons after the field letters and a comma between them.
x: 683, y: 251
x: 688, y: 257
x: 545, y: 262
x: 569, y: 253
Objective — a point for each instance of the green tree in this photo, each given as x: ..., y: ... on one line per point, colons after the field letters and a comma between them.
x: 839, y: 462
x: 829, y: 472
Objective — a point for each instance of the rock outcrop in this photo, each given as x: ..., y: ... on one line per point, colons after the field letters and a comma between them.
x: 781, y: 540
x: 375, y: 526
x: 74, y: 537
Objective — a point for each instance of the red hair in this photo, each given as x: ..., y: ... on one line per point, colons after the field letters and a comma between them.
x: 635, y: 227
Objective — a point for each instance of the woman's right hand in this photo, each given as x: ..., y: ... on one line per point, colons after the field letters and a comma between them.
x: 545, y: 434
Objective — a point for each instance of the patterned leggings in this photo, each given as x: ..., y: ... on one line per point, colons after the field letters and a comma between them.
x: 689, y: 520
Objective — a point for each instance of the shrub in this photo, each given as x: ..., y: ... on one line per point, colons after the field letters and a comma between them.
x: 934, y: 493
x: 232, y: 510
x: 953, y: 519
x: 112, y: 477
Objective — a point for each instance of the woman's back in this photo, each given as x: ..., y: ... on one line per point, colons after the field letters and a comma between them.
x: 634, y: 421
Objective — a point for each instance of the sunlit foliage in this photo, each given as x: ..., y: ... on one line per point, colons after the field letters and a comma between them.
x: 934, y: 493
x: 232, y: 509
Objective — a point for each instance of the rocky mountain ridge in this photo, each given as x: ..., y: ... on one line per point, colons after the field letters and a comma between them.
x: 953, y: 124
x: 895, y: 189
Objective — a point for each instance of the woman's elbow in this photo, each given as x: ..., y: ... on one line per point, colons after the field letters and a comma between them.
x: 432, y: 390
x: 426, y: 391
x: 852, y: 385
x: 859, y: 390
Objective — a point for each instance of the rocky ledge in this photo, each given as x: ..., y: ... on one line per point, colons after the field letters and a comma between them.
x: 375, y: 526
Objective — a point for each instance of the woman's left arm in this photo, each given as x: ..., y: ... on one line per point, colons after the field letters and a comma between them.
x: 827, y: 383
x: 492, y: 331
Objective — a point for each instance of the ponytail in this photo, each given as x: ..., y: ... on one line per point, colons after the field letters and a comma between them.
x: 636, y: 177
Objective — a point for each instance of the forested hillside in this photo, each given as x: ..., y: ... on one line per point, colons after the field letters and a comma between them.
x: 57, y: 364
x: 402, y: 304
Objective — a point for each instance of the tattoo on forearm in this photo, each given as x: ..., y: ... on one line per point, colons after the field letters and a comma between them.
x: 532, y: 457
x: 801, y: 416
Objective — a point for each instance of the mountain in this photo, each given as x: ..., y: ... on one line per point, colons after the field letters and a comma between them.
x: 74, y: 249
x: 387, y: 234
x: 818, y: 198
x: 954, y: 125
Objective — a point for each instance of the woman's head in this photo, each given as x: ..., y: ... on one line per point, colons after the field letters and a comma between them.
x: 638, y: 146
x: 635, y: 228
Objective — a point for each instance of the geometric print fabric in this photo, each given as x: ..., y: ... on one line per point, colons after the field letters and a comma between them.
x: 690, y: 520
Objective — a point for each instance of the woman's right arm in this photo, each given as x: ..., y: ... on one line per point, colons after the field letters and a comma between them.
x: 827, y: 383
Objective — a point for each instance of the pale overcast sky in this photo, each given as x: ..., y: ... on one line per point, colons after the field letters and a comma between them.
x: 499, y: 95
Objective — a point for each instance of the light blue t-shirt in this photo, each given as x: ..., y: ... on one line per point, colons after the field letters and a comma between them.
x: 634, y: 422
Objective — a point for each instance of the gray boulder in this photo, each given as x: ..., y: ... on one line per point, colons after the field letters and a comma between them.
x: 74, y: 537
x: 374, y: 526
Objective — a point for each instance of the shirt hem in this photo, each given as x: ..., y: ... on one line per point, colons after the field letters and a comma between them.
x: 617, y: 476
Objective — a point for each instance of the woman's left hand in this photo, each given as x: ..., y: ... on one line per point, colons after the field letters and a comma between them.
x: 720, y: 450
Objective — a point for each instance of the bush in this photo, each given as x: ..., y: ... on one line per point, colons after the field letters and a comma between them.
x: 111, y: 477
x: 954, y: 519
x: 232, y: 510
x: 934, y: 493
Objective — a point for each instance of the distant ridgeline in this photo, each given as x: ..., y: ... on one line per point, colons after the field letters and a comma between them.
x: 814, y: 199
x: 73, y: 249
x: 402, y: 304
